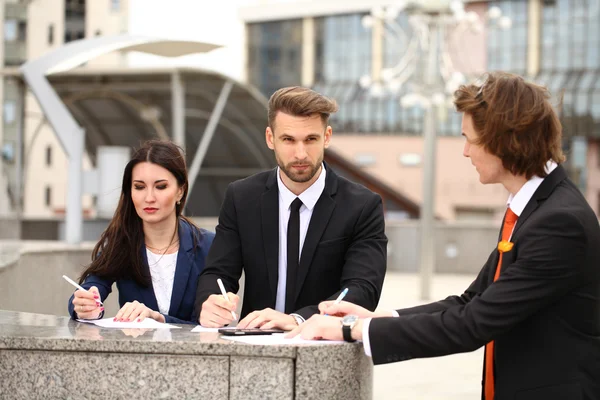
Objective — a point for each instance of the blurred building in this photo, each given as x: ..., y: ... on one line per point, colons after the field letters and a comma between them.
x: 30, y: 29
x: 119, y: 105
x: 324, y: 45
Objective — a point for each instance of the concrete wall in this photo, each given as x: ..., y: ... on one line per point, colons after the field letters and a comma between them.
x: 461, y: 247
x: 33, y: 282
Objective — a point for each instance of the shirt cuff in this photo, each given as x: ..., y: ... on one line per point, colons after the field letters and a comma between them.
x: 365, y: 334
x: 299, y: 318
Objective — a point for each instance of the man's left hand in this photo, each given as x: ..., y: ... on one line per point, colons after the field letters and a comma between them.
x: 268, y: 319
x: 324, y: 327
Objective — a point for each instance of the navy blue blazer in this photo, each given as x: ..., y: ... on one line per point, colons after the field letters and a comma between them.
x: 190, y: 264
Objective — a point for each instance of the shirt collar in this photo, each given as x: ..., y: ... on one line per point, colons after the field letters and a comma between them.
x: 518, y: 201
x: 309, y: 197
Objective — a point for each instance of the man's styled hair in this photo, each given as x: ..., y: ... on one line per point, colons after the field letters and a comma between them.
x: 515, y: 121
x: 300, y: 102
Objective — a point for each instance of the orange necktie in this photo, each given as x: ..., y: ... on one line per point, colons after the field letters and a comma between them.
x: 509, y: 222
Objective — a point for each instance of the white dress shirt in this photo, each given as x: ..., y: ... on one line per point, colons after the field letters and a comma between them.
x: 309, y: 199
x: 515, y: 202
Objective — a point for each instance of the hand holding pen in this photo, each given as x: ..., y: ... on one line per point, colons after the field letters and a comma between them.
x: 218, y: 310
x: 339, y: 308
x: 86, y: 303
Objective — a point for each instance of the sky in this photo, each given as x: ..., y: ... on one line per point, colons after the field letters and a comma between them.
x: 202, y: 20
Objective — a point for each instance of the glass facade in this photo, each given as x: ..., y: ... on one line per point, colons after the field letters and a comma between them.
x: 570, y: 63
x: 507, y: 48
x: 275, y: 55
x: 342, y: 57
x: 342, y: 49
x: 570, y: 35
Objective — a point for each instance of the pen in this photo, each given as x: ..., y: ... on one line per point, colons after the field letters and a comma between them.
x: 72, y: 282
x: 224, y: 293
x: 340, y: 297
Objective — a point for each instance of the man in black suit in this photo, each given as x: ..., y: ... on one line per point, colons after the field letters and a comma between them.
x: 300, y: 233
x: 535, y: 305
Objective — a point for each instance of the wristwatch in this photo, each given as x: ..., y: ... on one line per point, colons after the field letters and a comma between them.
x: 348, y: 323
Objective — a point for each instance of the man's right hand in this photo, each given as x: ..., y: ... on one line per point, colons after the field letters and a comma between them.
x: 345, y: 308
x: 216, y: 311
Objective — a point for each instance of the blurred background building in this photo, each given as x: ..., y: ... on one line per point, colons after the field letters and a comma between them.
x: 267, y: 44
x: 325, y: 44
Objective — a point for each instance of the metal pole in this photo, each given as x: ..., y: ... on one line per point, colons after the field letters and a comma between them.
x: 178, y: 109
x: 209, y: 131
x: 20, y: 120
x: 74, y: 215
x: 427, y: 233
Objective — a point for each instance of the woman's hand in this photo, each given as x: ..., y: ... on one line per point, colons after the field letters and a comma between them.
x: 85, y: 303
x: 136, y: 311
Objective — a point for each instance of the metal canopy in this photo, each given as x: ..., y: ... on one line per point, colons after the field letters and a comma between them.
x: 124, y: 107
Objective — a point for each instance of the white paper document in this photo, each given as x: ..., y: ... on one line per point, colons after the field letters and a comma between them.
x: 200, y: 328
x: 147, y: 323
x: 277, y: 338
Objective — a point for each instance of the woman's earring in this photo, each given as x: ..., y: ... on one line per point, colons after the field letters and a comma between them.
x: 178, y: 202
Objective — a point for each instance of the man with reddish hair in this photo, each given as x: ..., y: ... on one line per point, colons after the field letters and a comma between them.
x: 535, y: 305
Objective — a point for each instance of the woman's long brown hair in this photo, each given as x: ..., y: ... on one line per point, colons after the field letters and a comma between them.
x: 117, y: 255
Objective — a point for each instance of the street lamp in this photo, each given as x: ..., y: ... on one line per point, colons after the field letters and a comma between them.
x: 432, y: 22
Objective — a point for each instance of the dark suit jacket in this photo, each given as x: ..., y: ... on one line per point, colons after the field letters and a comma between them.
x: 543, y: 312
x: 345, y: 246
x: 190, y: 264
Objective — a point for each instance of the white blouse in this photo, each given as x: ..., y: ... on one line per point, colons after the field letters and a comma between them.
x: 162, y: 271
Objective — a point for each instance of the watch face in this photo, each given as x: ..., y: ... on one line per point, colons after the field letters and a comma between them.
x: 349, y: 319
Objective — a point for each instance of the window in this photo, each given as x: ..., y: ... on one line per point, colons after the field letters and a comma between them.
x: 22, y: 31
x: 48, y: 196
x: 49, y: 156
x: 410, y: 159
x: 365, y: 159
x: 9, y: 111
x: 10, y: 30
x: 115, y: 5
x: 343, y: 48
x: 275, y: 55
x: 50, y: 34
x: 570, y: 36
x: 507, y: 48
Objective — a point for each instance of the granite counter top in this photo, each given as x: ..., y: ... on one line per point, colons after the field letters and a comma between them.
x: 28, y: 331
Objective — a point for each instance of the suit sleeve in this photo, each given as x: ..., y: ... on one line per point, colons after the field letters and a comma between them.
x: 174, y: 320
x: 476, y: 288
x: 224, y: 259
x: 365, y: 260
x: 104, y: 288
x: 549, y: 264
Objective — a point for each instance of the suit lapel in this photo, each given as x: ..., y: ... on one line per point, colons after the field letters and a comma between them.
x: 318, y: 222
x: 543, y: 191
x: 147, y: 294
x: 541, y: 194
x: 183, y: 266
x: 269, y: 213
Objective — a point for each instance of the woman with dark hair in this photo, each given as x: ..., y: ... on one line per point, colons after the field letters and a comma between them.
x: 149, y: 249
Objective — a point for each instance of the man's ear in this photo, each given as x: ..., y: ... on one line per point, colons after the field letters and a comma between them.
x: 269, y: 138
x: 328, y: 133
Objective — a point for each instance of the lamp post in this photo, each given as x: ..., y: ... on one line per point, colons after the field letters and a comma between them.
x: 431, y: 22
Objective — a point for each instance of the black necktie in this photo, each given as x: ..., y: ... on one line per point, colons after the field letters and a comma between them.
x: 293, y: 254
